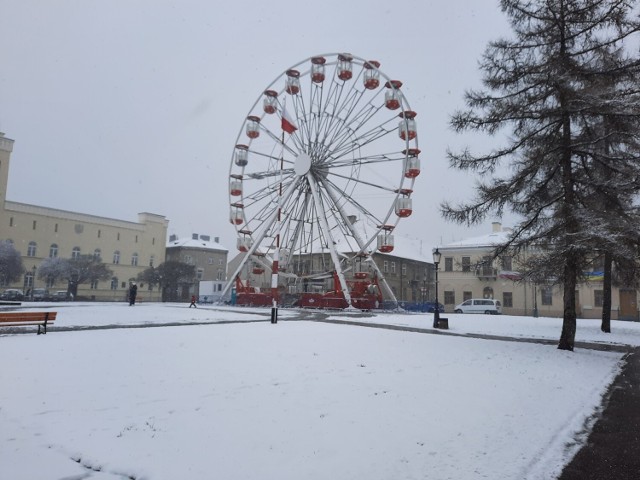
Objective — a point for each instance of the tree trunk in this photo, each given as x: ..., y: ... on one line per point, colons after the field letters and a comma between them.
x: 606, y: 294
x: 568, y: 335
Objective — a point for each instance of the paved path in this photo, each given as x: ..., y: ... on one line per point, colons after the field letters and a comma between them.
x: 613, y: 447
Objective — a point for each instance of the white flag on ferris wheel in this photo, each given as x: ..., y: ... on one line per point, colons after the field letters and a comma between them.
x: 288, y: 125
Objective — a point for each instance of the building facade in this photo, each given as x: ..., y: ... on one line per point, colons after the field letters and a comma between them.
x: 126, y: 248
x: 467, y: 270
x: 208, y: 257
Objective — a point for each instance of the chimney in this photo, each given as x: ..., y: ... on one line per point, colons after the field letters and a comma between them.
x: 216, y: 239
x: 497, y: 226
x: 173, y: 238
x: 194, y: 236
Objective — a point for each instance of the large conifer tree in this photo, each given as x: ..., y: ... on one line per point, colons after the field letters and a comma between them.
x: 540, y: 94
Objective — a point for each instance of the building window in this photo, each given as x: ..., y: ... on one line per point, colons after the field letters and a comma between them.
x: 53, y: 250
x: 467, y: 296
x: 466, y: 265
x: 449, y: 297
x: 393, y: 267
x: 507, y: 299
x: 55, y: 228
x: 220, y: 262
x: 210, y: 261
x: 94, y: 285
x: 487, y: 292
x: 75, y: 254
x: 220, y: 275
x: 153, y: 241
x: 385, y: 266
x: 404, y: 270
x: 546, y: 294
x: 118, y: 236
x: 34, y: 224
x: 188, y: 260
x: 506, y: 263
x: 97, y: 254
x: 598, y: 297
x: 136, y: 238
x: 199, y: 273
x: 151, y: 260
x: 134, y: 259
x: 31, y: 249
x: 50, y: 282
x: 99, y: 233
x: 116, y: 257
x: 448, y: 264
x: 11, y: 222
x: 28, y: 280
x: 114, y: 283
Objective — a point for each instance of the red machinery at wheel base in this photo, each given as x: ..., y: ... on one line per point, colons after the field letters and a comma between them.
x: 365, y: 295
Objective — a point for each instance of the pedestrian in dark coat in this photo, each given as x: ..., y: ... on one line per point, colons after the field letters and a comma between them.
x: 133, y: 292
x: 193, y: 302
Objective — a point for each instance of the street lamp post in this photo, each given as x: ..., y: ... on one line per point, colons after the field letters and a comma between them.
x: 436, y: 311
x: 33, y: 280
x: 535, y: 300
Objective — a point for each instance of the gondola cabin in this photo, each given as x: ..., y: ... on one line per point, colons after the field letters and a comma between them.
x: 317, y: 69
x: 371, y: 77
x: 253, y: 127
x: 393, y: 97
x: 270, y: 102
x: 292, y: 83
x: 407, y: 126
x: 236, y: 214
x: 241, y: 155
x: 345, y: 67
x: 412, y: 165
x: 235, y: 185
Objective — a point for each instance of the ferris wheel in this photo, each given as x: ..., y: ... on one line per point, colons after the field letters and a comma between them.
x: 321, y: 173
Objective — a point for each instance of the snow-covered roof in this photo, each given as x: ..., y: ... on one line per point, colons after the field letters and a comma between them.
x: 199, y: 243
x: 491, y: 240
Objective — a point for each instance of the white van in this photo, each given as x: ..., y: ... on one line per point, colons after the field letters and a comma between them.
x: 480, y: 305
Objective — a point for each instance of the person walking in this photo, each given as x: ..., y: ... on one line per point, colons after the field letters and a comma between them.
x: 133, y: 292
x: 193, y: 302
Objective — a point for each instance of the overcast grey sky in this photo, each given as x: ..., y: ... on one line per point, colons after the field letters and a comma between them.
x: 124, y: 106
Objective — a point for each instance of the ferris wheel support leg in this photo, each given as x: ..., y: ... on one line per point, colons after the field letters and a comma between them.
x: 331, y: 243
x: 256, y: 242
x: 345, y: 218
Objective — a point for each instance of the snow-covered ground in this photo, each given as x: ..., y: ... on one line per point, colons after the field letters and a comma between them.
x: 235, y: 397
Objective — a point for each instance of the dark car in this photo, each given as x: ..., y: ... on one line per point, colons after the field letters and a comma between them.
x: 425, y: 307
x: 41, y: 295
x: 12, y: 294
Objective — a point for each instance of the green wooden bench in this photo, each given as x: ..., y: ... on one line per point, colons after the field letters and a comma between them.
x: 19, y: 319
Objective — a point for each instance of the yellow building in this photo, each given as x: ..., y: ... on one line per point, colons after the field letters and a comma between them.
x: 467, y: 270
x: 127, y: 248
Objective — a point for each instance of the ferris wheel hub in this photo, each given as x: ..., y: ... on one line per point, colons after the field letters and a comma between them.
x: 302, y: 164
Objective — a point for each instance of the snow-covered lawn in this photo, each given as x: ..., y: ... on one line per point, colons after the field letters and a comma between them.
x: 296, y: 400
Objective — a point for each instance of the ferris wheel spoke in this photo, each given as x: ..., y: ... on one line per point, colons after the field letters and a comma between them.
x: 362, y: 182
x: 358, y: 205
x: 365, y: 160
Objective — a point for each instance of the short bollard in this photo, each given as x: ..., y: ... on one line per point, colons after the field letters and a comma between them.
x: 274, y: 315
x: 443, y: 323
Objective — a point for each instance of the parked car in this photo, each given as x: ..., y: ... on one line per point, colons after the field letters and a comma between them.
x: 12, y: 294
x: 426, y: 307
x: 41, y: 295
x: 480, y: 305
x: 60, y: 296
